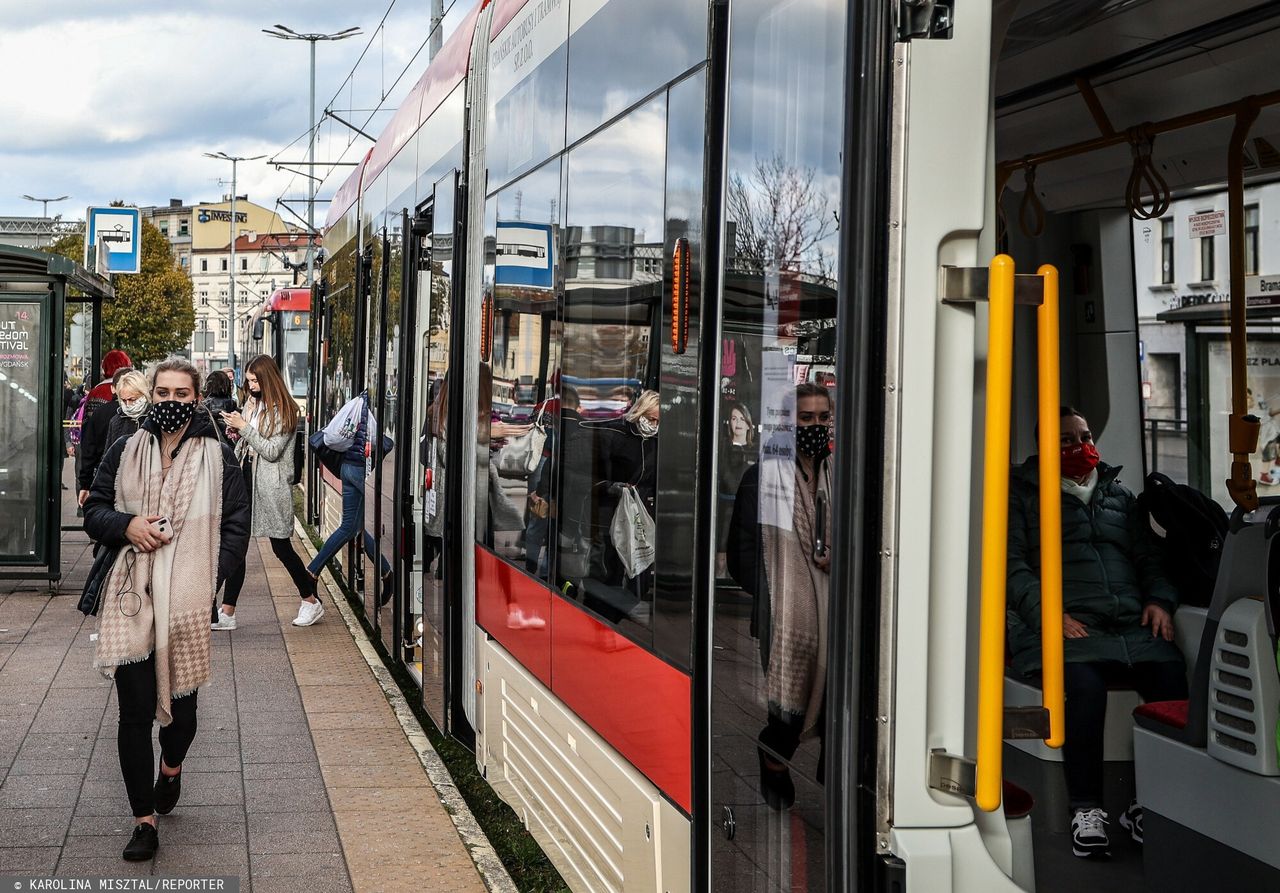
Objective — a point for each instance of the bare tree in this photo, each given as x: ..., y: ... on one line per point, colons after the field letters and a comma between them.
x: 781, y: 220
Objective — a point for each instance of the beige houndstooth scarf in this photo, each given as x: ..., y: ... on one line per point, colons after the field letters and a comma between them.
x: 160, y: 601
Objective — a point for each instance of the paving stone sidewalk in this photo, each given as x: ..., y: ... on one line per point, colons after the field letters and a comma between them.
x: 290, y: 787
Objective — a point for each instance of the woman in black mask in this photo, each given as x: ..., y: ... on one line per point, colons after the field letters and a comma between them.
x: 778, y: 552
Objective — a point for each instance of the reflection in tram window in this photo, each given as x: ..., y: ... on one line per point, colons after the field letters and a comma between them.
x: 778, y: 552
x: 777, y: 348
x: 521, y: 347
x: 613, y: 251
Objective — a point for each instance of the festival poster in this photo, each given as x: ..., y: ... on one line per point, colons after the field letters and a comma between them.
x: 21, y: 491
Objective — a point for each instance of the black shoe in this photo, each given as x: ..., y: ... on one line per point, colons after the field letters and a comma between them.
x: 776, y: 786
x: 168, y: 790
x: 143, y: 844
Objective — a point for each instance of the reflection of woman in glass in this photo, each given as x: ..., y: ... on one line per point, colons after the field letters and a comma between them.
x: 628, y: 459
x: 738, y: 453
x: 777, y: 551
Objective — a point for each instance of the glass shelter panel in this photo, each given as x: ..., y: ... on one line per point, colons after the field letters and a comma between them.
x: 776, y: 418
x: 23, y: 485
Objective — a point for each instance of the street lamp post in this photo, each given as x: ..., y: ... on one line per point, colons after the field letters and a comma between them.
x: 231, y: 330
x: 283, y: 33
x: 44, y: 213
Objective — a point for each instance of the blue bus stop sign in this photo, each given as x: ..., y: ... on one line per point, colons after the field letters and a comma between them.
x: 119, y: 231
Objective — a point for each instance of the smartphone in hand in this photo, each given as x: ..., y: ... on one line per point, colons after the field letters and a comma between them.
x: 164, y: 528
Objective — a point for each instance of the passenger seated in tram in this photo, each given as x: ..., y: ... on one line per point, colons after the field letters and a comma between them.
x: 777, y: 551
x: 1117, y: 614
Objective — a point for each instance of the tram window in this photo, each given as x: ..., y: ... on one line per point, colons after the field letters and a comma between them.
x: 1166, y: 251
x: 608, y: 72
x: 777, y: 352
x: 611, y: 310
x: 1251, y: 240
x: 526, y: 108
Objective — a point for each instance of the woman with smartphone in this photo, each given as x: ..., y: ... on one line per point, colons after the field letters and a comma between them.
x: 265, y: 449
x: 172, y: 500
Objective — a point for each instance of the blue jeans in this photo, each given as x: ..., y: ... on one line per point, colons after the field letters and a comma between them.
x: 352, y: 521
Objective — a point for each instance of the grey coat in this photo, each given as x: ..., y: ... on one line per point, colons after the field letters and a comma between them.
x: 272, y: 496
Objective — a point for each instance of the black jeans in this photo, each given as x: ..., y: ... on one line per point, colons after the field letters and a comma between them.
x: 281, y: 547
x: 1086, y: 688
x: 136, y: 692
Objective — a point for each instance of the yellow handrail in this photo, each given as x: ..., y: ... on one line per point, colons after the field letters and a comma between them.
x: 995, y: 532
x: 1050, y: 510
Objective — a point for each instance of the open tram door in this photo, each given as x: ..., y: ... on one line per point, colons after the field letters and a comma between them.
x: 429, y: 603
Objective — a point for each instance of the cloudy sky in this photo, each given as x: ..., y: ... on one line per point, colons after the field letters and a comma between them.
x: 108, y: 101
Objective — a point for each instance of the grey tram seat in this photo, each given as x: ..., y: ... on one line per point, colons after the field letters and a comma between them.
x: 1211, y: 788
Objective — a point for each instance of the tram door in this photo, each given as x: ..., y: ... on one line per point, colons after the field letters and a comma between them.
x: 424, y: 368
x: 774, y: 511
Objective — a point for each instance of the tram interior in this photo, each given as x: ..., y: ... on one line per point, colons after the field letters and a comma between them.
x: 1065, y: 73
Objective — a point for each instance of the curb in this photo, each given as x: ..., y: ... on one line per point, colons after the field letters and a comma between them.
x: 492, y: 872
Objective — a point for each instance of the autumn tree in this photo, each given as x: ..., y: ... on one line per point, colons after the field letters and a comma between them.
x: 781, y: 219
x: 152, y: 314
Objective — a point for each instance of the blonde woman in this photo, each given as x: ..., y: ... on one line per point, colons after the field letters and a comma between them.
x: 131, y: 396
x: 265, y: 450
x: 172, y: 500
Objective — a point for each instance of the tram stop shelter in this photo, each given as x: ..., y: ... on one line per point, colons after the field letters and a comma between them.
x: 33, y: 297
x: 1208, y: 380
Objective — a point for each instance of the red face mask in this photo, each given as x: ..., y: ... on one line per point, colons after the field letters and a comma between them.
x: 1079, y: 459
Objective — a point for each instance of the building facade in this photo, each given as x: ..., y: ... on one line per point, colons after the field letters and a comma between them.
x: 1182, y: 276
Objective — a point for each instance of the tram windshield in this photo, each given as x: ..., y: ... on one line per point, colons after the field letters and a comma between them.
x: 294, y: 325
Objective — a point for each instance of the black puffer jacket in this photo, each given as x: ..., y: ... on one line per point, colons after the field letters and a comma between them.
x: 93, y: 439
x: 106, y: 525
x: 1110, y: 572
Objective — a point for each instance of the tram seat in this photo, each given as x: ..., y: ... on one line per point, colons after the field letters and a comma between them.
x: 1244, y: 691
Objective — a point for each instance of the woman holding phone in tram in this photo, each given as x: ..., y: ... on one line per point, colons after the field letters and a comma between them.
x: 266, y: 432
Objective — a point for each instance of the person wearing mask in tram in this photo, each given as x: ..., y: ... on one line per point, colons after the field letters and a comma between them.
x: 265, y: 449
x: 738, y: 453
x: 172, y: 499
x: 353, y: 431
x: 99, y: 408
x: 777, y: 552
x: 1117, y: 614
x: 132, y: 405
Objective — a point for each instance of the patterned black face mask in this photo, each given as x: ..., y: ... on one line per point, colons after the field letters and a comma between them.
x: 171, y: 415
x: 813, y: 440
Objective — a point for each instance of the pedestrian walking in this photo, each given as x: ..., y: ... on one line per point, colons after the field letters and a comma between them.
x: 267, y: 430
x: 172, y: 500
x: 353, y: 431
x: 98, y: 408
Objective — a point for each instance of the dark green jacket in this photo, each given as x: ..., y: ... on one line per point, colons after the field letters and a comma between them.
x: 1110, y: 572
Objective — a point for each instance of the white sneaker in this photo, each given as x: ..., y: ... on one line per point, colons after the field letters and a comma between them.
x: 1089, y: 833
x: 1131, y: 821
x: 225, y: 621
x: 308, y: 613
